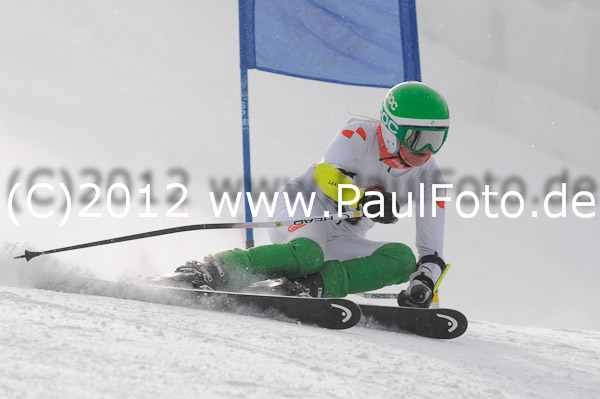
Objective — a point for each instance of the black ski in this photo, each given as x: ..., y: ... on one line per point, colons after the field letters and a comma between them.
x: 430, y: 323
x: 333, y: 313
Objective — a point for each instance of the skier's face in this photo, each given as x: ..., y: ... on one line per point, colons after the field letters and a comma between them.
x: 415, y: 158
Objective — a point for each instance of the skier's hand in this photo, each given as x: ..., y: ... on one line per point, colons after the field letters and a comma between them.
x: 385, y: 217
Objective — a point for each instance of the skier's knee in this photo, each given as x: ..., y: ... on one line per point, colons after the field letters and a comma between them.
x: 309, y: 255
x: 401, y: 258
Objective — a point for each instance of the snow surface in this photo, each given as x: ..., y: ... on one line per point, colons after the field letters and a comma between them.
x: 74, y: 345
x: 58, y: 340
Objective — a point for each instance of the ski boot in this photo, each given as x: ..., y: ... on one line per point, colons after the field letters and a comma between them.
x: 307, y: 286
x: 423, y: 285
x: 210, y: 274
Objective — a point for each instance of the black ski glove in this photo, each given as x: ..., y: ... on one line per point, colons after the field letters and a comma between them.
x: 388, y: 203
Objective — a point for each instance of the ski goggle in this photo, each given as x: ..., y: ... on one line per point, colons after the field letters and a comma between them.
x: 418, y: 139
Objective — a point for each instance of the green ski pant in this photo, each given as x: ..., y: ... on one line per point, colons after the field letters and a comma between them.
x: 389, y: 264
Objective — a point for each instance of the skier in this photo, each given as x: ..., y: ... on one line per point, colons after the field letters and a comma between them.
x: 333, y: 259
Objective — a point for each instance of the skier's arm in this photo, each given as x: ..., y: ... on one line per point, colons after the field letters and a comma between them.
x: 348, y: 146
x: 430, y: 229
x: 328, y: 179
x: 339, y: 161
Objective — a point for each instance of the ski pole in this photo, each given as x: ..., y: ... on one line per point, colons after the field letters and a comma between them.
x: 207, y: 226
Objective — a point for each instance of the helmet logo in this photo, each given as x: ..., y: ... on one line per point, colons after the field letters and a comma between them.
x: 388, y: 121
x: 392, y: 102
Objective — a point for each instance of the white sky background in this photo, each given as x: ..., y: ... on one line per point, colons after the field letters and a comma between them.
x: 149, y: 86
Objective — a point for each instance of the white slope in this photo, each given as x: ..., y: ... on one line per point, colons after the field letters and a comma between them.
x: 58, y: 341
x: 74, y: 345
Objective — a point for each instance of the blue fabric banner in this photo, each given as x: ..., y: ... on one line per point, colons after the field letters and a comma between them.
x: 356, y: 42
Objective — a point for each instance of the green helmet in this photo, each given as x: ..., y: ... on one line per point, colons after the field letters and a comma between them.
x: 415, y: 115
